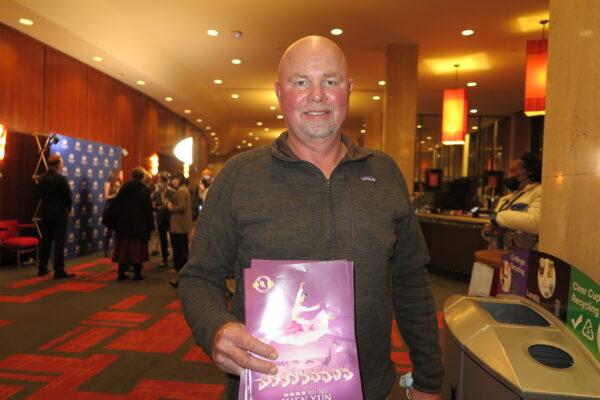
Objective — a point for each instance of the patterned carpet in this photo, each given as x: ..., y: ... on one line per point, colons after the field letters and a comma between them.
x: 92, y: 337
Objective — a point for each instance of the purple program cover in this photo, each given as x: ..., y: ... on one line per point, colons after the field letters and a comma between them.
x: 305, y: 310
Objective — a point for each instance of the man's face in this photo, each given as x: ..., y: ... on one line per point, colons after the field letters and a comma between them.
x: 313, y: 92
x: 517, y: 169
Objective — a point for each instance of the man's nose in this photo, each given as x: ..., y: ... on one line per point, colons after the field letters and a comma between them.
x: 316, y: 93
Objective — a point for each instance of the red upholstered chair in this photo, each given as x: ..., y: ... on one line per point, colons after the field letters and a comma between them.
x: 10, y: 239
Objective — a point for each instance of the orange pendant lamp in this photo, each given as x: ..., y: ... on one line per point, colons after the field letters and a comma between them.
x: 535, y: 75
x: 454, y: 115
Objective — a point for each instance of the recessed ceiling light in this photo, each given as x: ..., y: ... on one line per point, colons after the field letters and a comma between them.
x: 187, y: 111
x: 249, y: 144
x: 259, y: 123
x: 250, y: 133
x: 280, y: 116
x: 213, y: 134
x: 376, y: 98
x: 474, y: 127
x: 473, y: 111
x: 471, y: 84
x: 25, y: 21
x: 140, y: 82
x: 244, y: 141
x: 212, y: 32
x: 467, y: 32
x: 419, y: 126
x: 381, y: 83
x: 266, y: 129
x: 199, y: 120
x: 431, y: 149
x: 208, y: 128
x: 97, y: 58
x: 256, y: 138
x: 428, y: 137
x: 363, y: 131
x: 217, y: 81
x: 235, y: 96
x: 239, y: 147
x: 272, y: 108
x: 168, y: 98
x: 336, y: 31
x: 422, y: 142
x: 236, y: 61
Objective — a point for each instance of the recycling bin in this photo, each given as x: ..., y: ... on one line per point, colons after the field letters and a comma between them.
x: 510, y: 348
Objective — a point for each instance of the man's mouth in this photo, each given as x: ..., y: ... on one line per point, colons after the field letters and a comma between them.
x: 316, y: 113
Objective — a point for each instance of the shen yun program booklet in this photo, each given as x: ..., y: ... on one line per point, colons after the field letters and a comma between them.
x: 305, y: 310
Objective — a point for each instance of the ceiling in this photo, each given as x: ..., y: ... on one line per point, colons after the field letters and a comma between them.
x: 165, y: 44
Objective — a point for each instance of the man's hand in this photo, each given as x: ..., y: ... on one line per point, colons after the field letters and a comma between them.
x: 230, y: 348
x: 416, y: 395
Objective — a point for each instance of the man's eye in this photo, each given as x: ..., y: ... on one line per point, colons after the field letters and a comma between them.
x: 300, y: 83
x: 330, y: 82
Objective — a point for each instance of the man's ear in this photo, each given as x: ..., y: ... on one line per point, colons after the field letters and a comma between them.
x: 277, y: 88
x: 351, y: 85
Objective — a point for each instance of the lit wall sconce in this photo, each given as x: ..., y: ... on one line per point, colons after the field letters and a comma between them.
x: 3, y: 134
x: 154, y: 164
x: 184, y: 151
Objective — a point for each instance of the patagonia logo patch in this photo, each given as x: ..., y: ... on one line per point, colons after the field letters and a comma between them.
x: 368, y: 179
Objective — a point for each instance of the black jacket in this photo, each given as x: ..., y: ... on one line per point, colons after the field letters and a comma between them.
x: 55, y: 195
x: 135, y: 211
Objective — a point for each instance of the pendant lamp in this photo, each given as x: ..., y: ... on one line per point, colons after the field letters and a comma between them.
x: 454, y: 114
x: 535, y: 75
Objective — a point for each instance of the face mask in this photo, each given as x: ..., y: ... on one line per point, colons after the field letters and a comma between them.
x: 512, y: 183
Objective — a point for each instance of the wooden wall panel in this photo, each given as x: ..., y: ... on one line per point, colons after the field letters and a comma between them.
x: 131, y: 124
x: 101, y: 108
x: 21, y: 81
x: 65, y: 94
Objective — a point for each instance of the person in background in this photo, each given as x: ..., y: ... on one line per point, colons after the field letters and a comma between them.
x: 180, y: 209
x: 55, y: 206
x: 315, y: 195
x: 515, y: 223
x: 111, y: 188
x: 134, y: 225
x: 160, y: 198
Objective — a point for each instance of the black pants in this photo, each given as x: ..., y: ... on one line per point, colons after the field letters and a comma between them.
x: 179, y: 243
x: 163, y: 230
x: 107, y: 237
x: 53, y: 231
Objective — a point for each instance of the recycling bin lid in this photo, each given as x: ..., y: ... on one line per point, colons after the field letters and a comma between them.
x: 524, y: 346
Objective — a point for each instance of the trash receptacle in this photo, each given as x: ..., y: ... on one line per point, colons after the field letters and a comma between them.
x: 511, y: 348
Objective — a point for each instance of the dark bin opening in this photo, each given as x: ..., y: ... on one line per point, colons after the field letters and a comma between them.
x: 513, y: 314
x: 551, y: 356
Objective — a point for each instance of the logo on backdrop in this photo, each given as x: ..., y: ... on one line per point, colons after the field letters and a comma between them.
x: 77, y: 172
x: 77, y: 146
x: 83, y: 160
x: 71, y: 159
x: 64, y: 144
x: 101, y: 150
x: 90, y: 148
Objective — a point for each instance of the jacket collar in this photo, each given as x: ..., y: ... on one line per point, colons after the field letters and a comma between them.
x: 282, y: 151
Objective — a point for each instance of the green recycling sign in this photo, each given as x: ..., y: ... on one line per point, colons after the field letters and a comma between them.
x: 584, y: 311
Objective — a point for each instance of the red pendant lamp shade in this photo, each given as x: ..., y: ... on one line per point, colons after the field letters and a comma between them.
x: 454, y: 116
x: 535, y: 77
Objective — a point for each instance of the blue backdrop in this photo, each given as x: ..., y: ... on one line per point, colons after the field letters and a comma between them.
x: 87, y: 166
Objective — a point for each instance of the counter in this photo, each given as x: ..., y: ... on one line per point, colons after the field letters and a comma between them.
x: 452, y: 241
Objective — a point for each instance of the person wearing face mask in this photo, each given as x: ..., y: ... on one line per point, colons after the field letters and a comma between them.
x: 160, y: 198
x: 515, y: 223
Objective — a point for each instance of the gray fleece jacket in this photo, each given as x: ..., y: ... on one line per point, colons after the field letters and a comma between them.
x: 269, y: 204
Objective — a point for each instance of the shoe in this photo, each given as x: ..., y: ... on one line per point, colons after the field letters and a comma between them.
x: 63, y: 275
x: 139, y: 277
x: 43, y: 271
x: 174, y: 283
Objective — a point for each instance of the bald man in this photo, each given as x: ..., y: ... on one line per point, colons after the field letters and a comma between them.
x: 313, y: 194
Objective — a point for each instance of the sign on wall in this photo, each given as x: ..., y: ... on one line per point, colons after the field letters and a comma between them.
x: 87, y: 166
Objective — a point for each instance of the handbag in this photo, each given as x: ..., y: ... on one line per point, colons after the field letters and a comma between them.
x: 110, y: 215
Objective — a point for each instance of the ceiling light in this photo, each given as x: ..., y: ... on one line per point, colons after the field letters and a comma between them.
x: 249, y: 144
x: 474, y: 127
x: 199, y: 120
x: 431, y: 149
x: 280, y: 116
x: 244, y: 141
x: 266, y: 129
x: 187, y: 111
x: 363, y: 131
x: 376, y: 98
x: 419, y: 126
x: 236, y: 61
x: 217, y: 81
x: 256, y: 138
x: 97, y: 58
x: 25, y: 21
x: 467, y: 32
x: 168, y: 98
x: 473, y: 111
x: 239, y: 147
x: 259, y: 123
x: 428, y: 137
x: 212, y: 32
x: 208, y: 128
x: 422, y: 142
x: 250, y: 133
x: 471, y: 84
x: 140, y: 82
x: 381, y: 83
x: 336, y: 31
x: 235, y: 96
x: 213, y: 134
x: 272, y: 108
